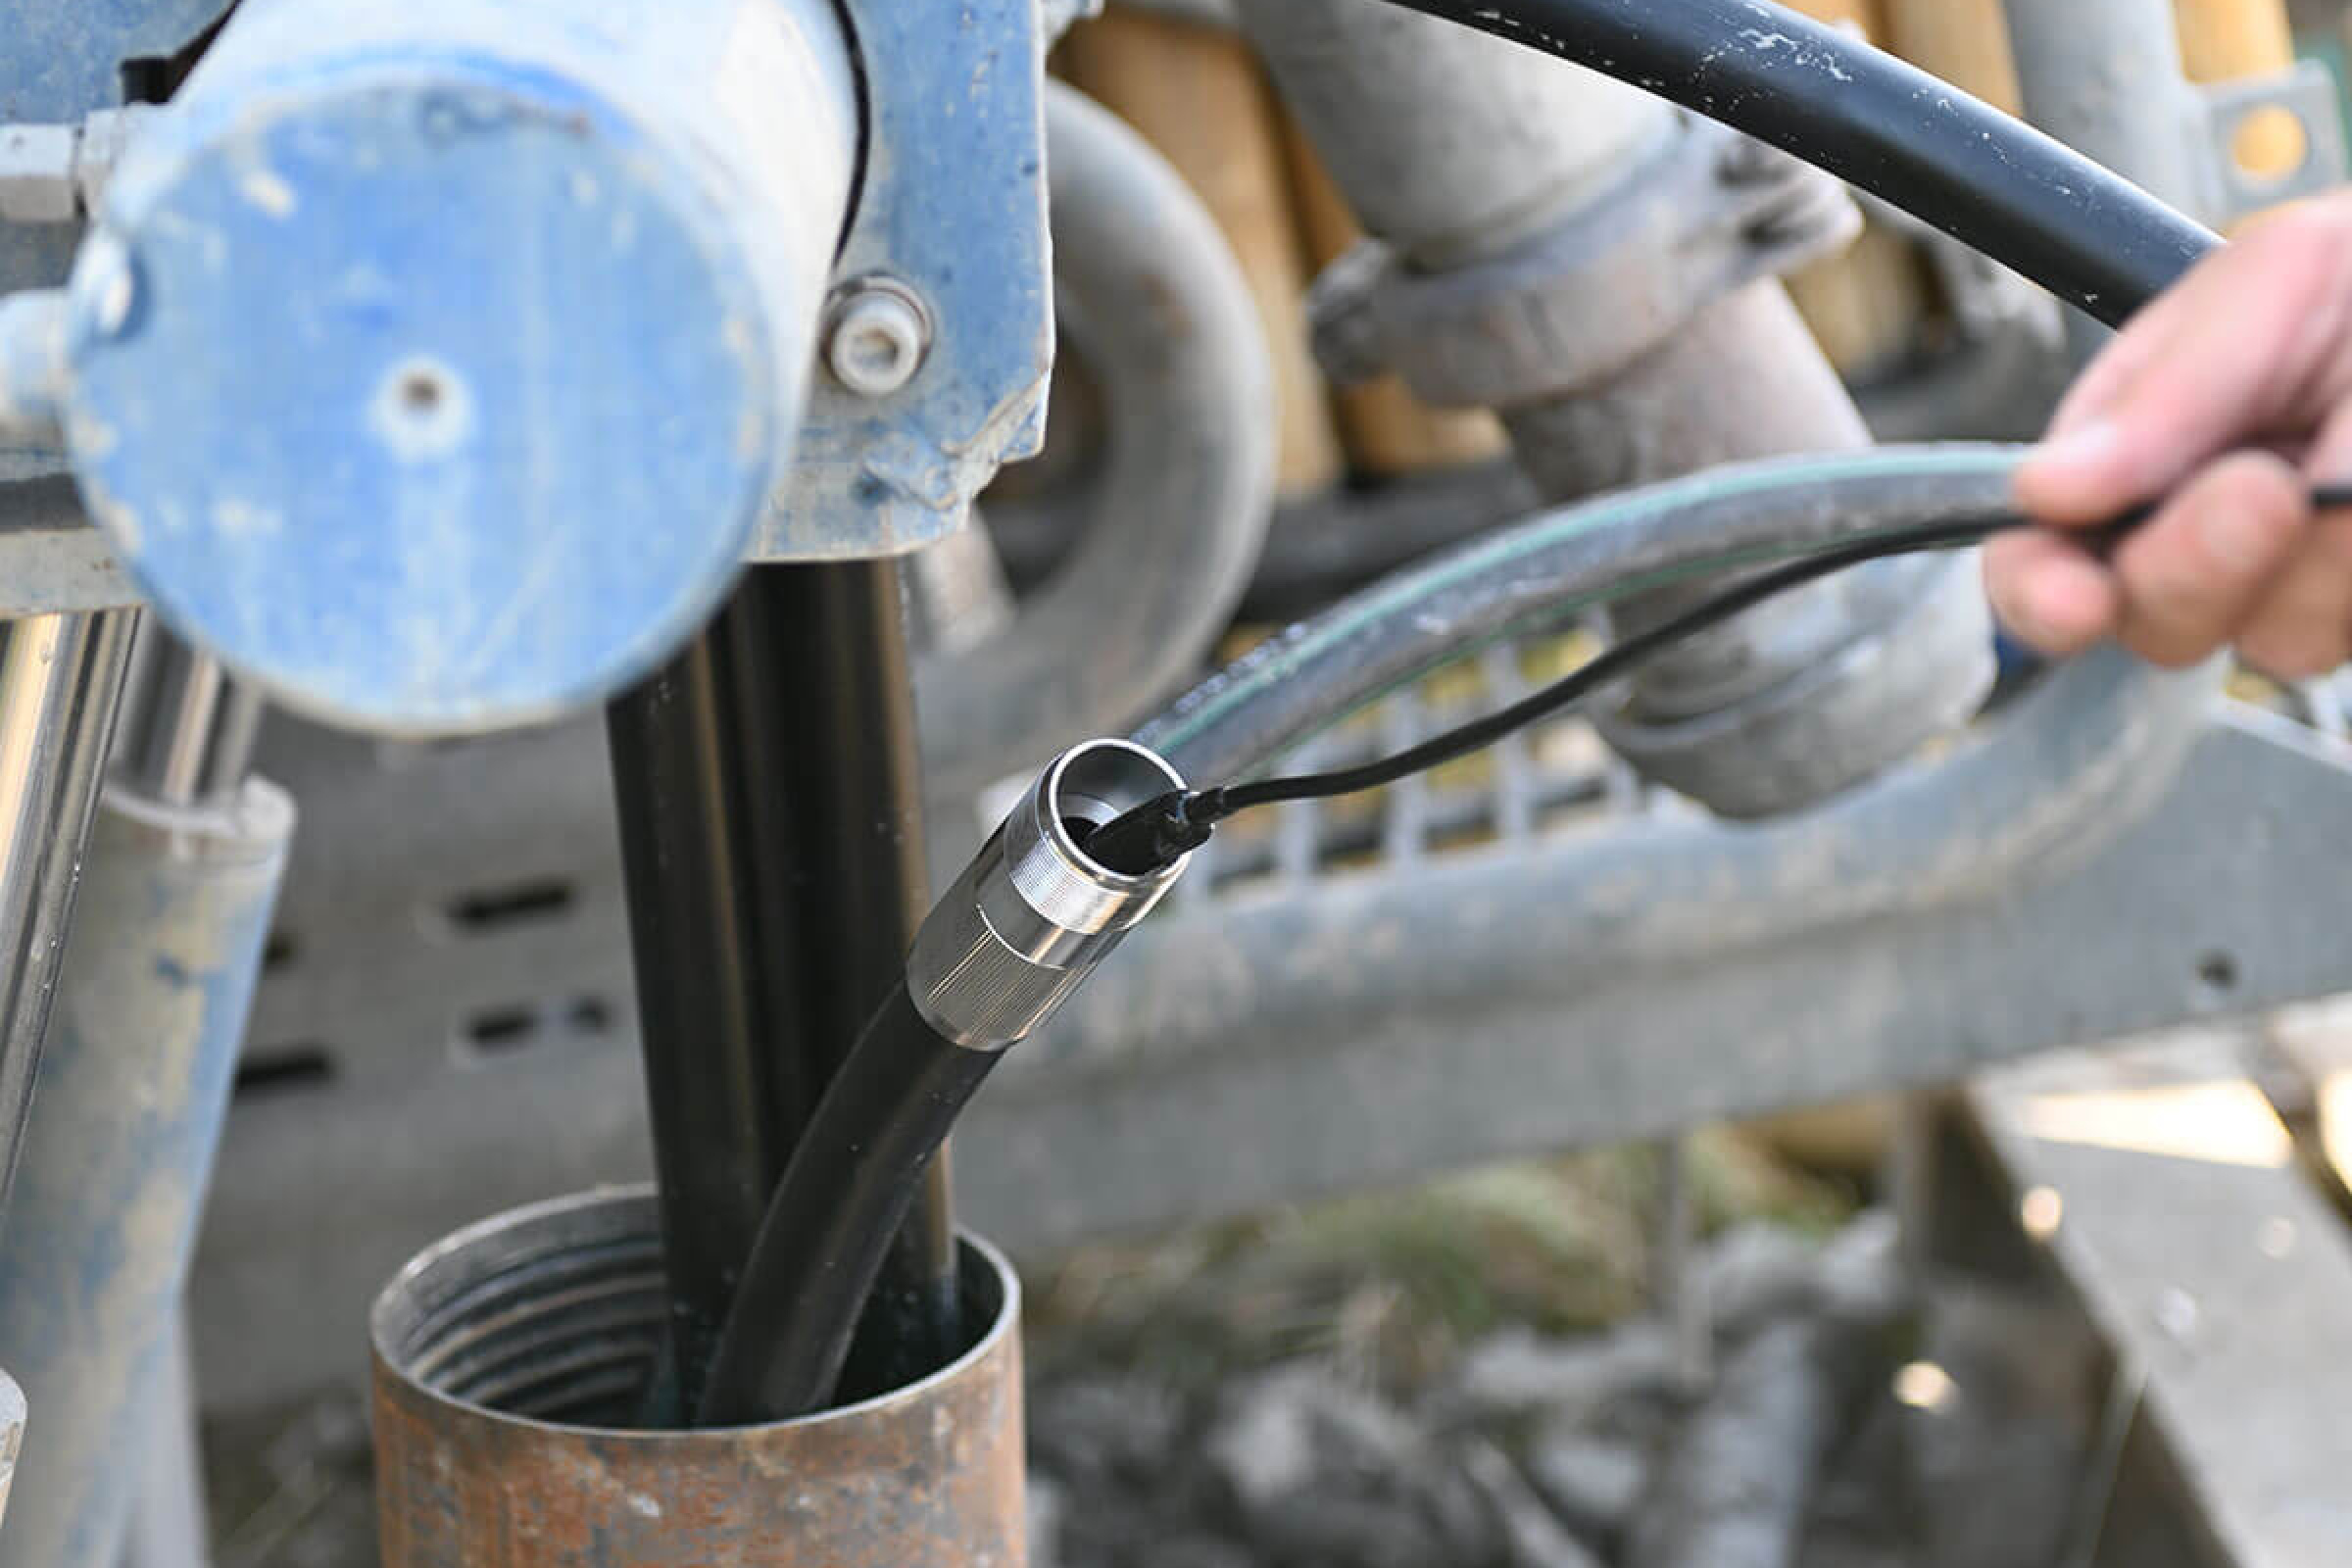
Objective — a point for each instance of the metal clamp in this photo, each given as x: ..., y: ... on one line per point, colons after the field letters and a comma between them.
x: 1709, y: 211
x: 2305, y: 91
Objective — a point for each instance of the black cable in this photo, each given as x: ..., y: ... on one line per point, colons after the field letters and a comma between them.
x: 857, y: 1168
x: 1619, y: 660
x: 1157, y: 832
x: 1979, y: 175
x: 1541, y: 571
x: 1176, y: 824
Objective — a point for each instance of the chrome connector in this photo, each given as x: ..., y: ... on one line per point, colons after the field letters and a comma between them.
x: 1032, y: 917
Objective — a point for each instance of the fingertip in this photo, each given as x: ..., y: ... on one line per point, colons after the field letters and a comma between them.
x: 2049, y: 594
x: 2077, y: 476
x: 2248, y: 510
x: 2193, y: 573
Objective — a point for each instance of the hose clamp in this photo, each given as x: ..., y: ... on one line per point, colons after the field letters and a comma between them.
x: 1032, y: 917
x: 1704, y: 213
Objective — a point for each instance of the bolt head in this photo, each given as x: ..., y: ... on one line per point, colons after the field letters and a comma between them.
x: 877, y: 339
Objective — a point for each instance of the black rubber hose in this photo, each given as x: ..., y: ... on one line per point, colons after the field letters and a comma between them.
x: 1542, y: 572
x: 857, y: 1170
x: 2092, y: 238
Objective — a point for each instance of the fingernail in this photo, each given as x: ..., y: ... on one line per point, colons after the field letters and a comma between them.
x: 2239, y: 538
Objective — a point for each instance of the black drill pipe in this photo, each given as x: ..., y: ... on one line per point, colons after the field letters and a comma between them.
x: 725, y: 1102
x: 769, y: 794
x: 838, y: 852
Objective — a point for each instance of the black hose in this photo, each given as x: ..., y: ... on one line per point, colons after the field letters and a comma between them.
x: 1979, y: 175
x: 1541, y: 573
x: 1154, y: 833
x: 857, y: 1170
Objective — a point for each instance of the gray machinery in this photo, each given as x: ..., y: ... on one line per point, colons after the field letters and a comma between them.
x: 446, y: 368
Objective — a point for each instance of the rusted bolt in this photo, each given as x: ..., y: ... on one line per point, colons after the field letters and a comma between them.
x: 877, y: 336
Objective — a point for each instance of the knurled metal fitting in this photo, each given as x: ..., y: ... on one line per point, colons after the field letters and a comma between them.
x: 1710, y: 209
x: 1032, y: 917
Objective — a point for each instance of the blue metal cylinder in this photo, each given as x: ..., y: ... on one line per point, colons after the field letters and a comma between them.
x: 432, y: 361
x: 157, y: 983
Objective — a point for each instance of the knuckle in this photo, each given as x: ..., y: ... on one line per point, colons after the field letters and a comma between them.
x: 2176, y: 583
x: 2294, y: 652
x: 2167, y: 647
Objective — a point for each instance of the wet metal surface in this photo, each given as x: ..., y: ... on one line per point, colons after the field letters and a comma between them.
x: 551, y: 1314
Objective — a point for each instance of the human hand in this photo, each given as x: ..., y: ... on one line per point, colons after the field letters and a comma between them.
x: 2231, y: 396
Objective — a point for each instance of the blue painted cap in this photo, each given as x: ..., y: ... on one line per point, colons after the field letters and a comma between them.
x: 431, y: 394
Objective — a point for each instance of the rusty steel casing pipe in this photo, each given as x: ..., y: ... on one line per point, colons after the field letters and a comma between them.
x: 509, y: 1355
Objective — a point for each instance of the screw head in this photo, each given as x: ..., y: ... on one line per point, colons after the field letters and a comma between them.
x: 877, y: 337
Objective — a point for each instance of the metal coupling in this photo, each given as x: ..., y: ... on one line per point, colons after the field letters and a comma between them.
x: 1032, y: 917
x: 1705, y: 211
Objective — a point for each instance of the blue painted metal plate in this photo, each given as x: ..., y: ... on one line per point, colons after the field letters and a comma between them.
x: 953, y: 203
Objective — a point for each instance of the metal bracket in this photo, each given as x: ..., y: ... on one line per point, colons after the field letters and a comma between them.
x: 2224, y: 110
x: 1708, y: 211
x: 953, y: 211
x: 36, y: 173
x: 873, y: 474
x: 56, y: 173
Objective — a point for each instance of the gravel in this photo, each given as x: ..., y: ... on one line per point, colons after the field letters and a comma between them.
x: 1541, y: 1450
